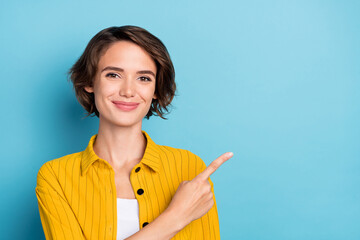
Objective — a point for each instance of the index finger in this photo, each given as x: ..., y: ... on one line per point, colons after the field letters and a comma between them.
x: 204, y: 175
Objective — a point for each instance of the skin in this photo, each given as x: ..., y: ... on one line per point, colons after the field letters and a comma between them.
x: 121, y: 142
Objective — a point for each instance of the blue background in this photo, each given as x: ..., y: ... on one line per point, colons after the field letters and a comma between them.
x: 276, y: 82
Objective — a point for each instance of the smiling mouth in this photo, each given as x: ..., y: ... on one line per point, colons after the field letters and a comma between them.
x: 126, y: 106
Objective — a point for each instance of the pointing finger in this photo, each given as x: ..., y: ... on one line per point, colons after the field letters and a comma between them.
x: 204, y: 175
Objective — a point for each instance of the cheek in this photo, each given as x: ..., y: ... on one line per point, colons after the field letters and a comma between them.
x: 103, y: 90
x: 148, y: 95
x: 147, y: 92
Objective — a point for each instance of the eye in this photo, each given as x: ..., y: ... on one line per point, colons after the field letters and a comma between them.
x: 145, y: 79
x: 112, y: 75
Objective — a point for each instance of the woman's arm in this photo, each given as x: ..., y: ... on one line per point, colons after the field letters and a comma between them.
x: 192, y: 200
x: 57, y: 218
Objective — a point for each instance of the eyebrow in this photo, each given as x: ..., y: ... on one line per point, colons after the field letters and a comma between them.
x: 122, y: 70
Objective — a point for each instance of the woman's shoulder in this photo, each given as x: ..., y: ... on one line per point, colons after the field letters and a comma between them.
x: 168, y: 150
x: 183, y: 158
x: 55, y: 167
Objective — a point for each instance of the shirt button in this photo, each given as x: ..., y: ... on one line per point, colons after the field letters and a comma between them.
x: 137, y: 169
x: 145, y: 223
x: 140, y: 191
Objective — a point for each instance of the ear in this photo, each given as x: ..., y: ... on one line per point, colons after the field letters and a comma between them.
x: 154, y: 97
x: 89, y: 89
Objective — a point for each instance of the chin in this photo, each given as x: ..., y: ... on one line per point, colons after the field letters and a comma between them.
x: 126, y: 121
x: 120, y: 120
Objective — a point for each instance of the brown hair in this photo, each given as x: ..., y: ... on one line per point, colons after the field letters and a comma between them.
x: 84, y: 70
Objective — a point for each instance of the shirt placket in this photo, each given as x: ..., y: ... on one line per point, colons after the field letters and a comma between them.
x: 139, y: 190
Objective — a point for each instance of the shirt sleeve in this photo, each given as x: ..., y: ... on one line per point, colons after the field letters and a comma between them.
x: 209, y: 223
x: 57, y: 217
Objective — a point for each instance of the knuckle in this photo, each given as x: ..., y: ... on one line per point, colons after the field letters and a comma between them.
x: 195, y: 181
x: 210, y: 204
x: 203, y: 191
x: 211, y: 197
x: 213, y: 166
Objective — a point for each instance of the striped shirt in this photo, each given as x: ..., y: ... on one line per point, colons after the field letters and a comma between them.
x: 77, y: 195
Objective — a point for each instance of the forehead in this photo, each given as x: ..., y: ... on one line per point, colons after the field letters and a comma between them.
x: 127, y: 55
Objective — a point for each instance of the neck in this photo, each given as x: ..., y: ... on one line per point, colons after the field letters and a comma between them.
x: 120, y: 146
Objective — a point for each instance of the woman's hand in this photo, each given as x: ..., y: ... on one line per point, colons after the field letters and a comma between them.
x: 194, y: 198
x: 191, y: 201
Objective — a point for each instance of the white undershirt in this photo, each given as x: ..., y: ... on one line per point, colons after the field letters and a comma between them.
x: 127, y: 218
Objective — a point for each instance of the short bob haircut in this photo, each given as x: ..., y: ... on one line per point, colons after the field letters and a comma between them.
x: 83, y: 72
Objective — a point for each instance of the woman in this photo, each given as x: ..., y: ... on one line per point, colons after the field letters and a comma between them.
x: 123, y: 185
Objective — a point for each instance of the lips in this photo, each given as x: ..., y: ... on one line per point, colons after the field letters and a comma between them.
x: 126, y: 103
x: 126, y: 106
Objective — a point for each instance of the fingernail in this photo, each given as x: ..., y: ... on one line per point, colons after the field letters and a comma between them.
x: 230, y: 154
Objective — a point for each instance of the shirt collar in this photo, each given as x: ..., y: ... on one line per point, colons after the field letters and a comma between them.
x: 151, y: 156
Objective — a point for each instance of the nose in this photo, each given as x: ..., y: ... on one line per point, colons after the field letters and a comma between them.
x: 127, y: 88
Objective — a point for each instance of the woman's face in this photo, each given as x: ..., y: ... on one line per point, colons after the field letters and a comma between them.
x: 126, y: 73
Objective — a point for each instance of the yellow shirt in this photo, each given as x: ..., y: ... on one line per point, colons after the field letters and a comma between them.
x: 77, y: 195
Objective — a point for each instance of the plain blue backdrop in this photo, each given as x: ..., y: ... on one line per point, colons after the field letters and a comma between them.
x: 276, y: 82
